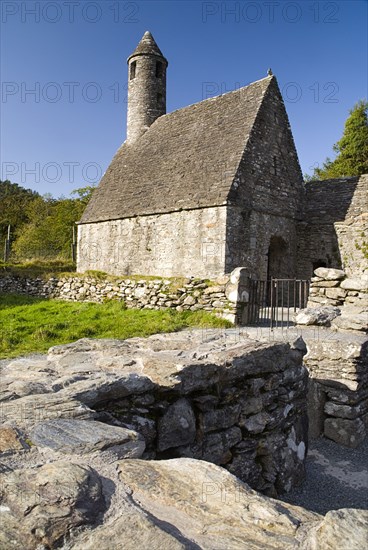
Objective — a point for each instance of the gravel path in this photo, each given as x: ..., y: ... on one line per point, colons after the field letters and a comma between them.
x: 337, y: 477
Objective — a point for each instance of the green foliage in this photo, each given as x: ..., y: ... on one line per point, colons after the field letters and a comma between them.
x: 33, y: 324
x: 41, y: 227
x: 14, y: 201
x: 351, y: 149
x: 84, y: 194
x: 48, y: 233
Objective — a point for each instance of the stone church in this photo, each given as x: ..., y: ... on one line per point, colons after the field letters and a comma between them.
x: 209, y: 187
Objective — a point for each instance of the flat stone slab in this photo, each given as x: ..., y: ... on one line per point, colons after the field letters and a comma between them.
x: 317, y: 316
x: 329, y: 273
x: 83, y: 436
x: 356, y: 284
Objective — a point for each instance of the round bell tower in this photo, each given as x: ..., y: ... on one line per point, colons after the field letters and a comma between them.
x: 146, y: 87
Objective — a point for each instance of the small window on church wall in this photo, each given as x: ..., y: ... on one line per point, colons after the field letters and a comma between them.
x: 159, y: 99
x: 133, y: 66
x: 159, y: 69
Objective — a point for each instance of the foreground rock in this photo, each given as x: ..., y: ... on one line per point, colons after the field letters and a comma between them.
x: 82, y: 436
x: 174, y: 504
x: 188, y: 394
x: 340, y: 530
x: 41, y: 505
x: 186, y: 504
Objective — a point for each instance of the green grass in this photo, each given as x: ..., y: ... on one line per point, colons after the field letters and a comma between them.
x: 29, y: 325
x: 37, y: 268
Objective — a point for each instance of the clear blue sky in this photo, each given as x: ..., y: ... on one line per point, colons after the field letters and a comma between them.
x: 73, y: 55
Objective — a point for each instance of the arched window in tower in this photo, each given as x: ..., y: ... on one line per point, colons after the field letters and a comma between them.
x: 133, y: 67
x: 159, y: 69
x: 159, y: 99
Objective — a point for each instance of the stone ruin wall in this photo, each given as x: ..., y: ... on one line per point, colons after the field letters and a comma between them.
x: 337, y: 358
x: 331, y: 287
x: 189, y: 243
x: 338, y: 388
x: 335, y: 226
x: 239, y: 404
x: 224, y: 296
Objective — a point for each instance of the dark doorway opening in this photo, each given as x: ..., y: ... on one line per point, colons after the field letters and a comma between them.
x: 319, y: 263
x: 278, y: 260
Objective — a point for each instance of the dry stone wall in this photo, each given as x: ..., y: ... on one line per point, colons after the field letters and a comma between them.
x: 338, y: 394
x: 343, y: 299
x: 189, y: 394
x: 337, y: 362
x: 186, y: 294
x: 331, y: 287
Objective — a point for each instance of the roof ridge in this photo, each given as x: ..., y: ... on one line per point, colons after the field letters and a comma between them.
x: 186, y: 159
x: 270, y: 78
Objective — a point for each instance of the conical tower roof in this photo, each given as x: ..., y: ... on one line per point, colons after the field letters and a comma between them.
x: 147, y: 46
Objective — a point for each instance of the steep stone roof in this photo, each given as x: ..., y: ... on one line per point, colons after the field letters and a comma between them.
x: 328, y: 201
x: 187, y: 159
x: 147, y: 46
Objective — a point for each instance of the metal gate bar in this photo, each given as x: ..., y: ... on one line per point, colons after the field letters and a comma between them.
x: 270, y: 302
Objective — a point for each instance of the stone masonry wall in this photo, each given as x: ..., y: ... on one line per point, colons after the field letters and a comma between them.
x: 240, y: 405
x: 186, y: 294
x: 331, y: 287
x: 189, y: 243
x: 265, y: 200
x: 338, y: 390
x: 335, y: 226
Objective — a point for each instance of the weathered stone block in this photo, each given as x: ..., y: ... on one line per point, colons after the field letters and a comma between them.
x: 324, y: 284
x: 217, y: 445
x: 177, y: 427
x: 329, y: 273
x: 220, y: 418
x: 335, y: 293
x: 316, y: 415
x: 83, y: 436
x: 345, y: 432
x: 355, y: 283
x: 342, y: 411
x: 256, y: 424
x: 317, y: 316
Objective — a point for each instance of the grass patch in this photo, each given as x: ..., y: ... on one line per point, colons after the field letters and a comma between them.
x: 30, y: 325
x: 37, y: 268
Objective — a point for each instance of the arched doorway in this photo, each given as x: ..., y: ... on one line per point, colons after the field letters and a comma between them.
x: 278, y: 259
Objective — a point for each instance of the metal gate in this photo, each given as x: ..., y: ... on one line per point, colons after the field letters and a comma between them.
x: 272, y: 303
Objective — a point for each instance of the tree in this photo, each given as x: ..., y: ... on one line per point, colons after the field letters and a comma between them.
x: 351, y: 149
x: 42, y: 226
x: 48, y: 233
x: 84, y: 194
x: 14, y: 201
